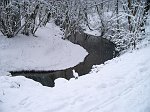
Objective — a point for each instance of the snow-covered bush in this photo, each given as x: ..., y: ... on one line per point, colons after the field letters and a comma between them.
x: 123, y: 23
x: 22, y: 16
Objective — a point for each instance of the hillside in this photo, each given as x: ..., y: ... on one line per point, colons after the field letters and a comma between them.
x: 120, y: 85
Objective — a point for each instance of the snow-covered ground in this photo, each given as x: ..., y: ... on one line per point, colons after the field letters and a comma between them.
x: 95, y: 23
x: 47, y: 51
x: 120, y: 85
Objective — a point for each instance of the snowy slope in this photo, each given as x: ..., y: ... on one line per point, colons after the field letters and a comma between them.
x: 120, y: 85
x: 47, y: 51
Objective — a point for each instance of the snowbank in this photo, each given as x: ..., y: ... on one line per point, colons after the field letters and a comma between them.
x: 120, y: 85
x: 47, y: 51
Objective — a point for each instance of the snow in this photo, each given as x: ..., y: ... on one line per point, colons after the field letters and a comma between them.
x: 75, y: 74
x: 60, y: 81
x: 92, y: 32
x: 119, y: 85
x: 95, y: 23
x: 4, y: 73
x: 47, y: 51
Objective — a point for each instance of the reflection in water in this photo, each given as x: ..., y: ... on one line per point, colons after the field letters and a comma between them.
x: 99, y: 49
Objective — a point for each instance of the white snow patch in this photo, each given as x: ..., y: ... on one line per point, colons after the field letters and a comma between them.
x: 45, y: 52
x: 95, y: 23
x: 92, y: 32
x: 60, y: 81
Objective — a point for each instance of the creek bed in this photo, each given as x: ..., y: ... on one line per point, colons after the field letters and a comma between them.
x: 99, y: 49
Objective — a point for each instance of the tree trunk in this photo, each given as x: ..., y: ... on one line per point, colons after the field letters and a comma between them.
x: 129, y: 18
x: 117, y: 12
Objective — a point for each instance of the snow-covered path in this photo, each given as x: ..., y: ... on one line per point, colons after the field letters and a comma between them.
x: 120, y: 85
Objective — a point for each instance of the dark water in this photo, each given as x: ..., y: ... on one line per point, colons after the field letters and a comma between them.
x: 99, y: 49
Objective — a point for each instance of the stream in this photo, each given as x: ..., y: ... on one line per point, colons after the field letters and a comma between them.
x: 99, y: 49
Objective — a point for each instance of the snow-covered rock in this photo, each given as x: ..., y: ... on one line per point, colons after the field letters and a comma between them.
x: 60, y: 81
x: 75, y: 74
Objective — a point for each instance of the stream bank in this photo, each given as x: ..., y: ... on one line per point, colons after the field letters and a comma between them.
x: 99, y: 49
